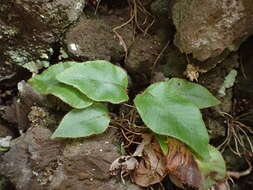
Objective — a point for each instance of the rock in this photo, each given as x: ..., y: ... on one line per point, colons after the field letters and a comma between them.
x: 206, y: 28
x: 6, y: 131
x: 29, y: 28
x: 143, y: 54
x: 37, y: 162
x: 86, y: 165
x: 160, y: 8
x: 29, y: 159
x: 94, y: 38
x: 175, y: 63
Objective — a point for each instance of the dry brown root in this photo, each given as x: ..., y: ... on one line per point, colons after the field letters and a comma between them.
x: 238, y: 134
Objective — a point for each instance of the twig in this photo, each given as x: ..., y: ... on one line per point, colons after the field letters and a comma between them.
x: 160, y: 55
x: 98, y: 3
x: 123, y: 43
x: 237, y: 175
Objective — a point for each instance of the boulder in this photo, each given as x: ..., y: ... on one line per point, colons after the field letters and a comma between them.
x: 206, y: 28
x: 34, y: 161
x: 93, y: 38
x: 30, y: 28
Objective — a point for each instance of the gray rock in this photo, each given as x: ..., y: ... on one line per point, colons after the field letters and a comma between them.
x: 37, y: 162
x: 28, y: 28
x: 206, y: 28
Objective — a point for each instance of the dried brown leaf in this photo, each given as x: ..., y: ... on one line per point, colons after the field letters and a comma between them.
x: 123, y: 164
x: 152, y: 167
x: 146, y: 139
x: 221, y: 186
x: 181, y: 165
x: 192, y: 72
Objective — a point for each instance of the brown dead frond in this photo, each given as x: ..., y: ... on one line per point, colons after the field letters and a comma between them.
x: 181, y: 165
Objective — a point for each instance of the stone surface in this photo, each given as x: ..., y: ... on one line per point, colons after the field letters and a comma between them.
x: 27, y: 152
x: 6, y: 131
x: 94, y: 38
x: 37, y: 162
x: 86, y: 165
x: 143, y: 54
x: 29, y: 28
x: 206, y: 28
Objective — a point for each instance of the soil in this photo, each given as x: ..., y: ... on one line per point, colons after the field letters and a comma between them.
x: 144, y: 47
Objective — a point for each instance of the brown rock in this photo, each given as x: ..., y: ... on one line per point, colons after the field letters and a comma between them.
x: 36, y: 162
x: 94, y: 39
x: 29, y: 162
x: 86, y: 165
x: 206, y: 28
x: 143, y: 54
x: 5, y: 131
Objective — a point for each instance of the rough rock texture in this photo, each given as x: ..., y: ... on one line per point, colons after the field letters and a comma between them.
x: 86, y: 165
x: 28, y: 28
x: 29, y: 159
x: 5, y: 131
x: 36, y: 162
x: 206, y: 28
x: 143, y: 54
x: 94, y: 39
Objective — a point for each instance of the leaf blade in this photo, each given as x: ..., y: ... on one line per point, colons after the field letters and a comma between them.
x: 83, y: 122
x: 196, y: 93
x: 213, y: 168
x: 162, y: 140
x: 166, y: 113
x: 46, y: 83
x: 99, y: 80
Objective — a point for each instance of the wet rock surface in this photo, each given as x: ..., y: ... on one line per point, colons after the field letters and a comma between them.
x: 206, y: 28
x: 28, y: 152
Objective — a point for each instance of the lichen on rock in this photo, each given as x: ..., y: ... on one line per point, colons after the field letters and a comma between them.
x: 28, y: 35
